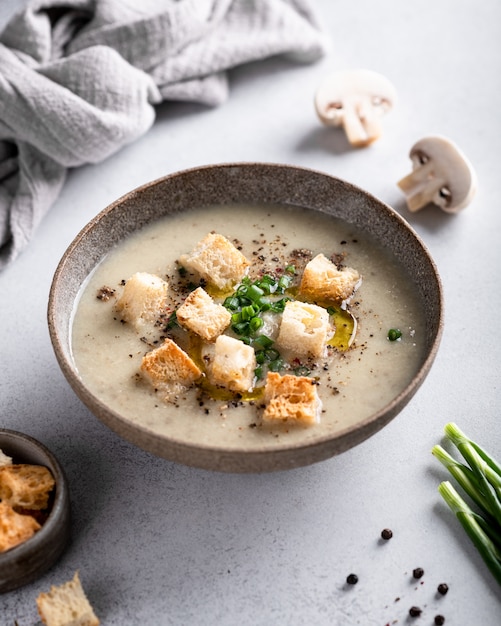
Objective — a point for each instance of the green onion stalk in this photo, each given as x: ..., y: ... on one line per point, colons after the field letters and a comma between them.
x: 480, y: 478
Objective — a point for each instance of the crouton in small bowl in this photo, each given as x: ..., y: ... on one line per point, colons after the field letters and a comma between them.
x: 246, y: 317
x: 34, y: 509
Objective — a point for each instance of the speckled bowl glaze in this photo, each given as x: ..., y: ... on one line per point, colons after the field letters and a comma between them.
x: 28, y: 561
x: 230, y: 184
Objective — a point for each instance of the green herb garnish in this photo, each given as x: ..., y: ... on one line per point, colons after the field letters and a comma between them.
x: 394, y: 334
x: 480, y: 479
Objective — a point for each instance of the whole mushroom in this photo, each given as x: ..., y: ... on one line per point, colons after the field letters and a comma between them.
x: 441, y: 175
x: 357, y: 100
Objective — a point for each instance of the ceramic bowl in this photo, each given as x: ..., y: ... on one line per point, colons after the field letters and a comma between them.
x: 234, y: 184
x: 26, y: 562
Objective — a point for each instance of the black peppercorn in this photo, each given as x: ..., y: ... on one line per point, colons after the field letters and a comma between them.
x: 439, y: 620
x: 442, y: 589
x: 386, y: 533
x: 352, y: 579
x: 418, y: 572
x: 415, y: 611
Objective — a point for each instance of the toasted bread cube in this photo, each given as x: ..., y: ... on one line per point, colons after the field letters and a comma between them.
x: 233, y: 364
x: 14, y: 527
x: 169, y: 366
x: 66, y: 605
x: 143, y: 299
x: 292, y: 399
x: 25, y: 486
x: 324, y: 283
x: 204, y: 317
x: 304, y: 329
x: 217, y: 261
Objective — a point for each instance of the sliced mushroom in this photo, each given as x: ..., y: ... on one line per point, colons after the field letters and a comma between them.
x: 441, y: 175
x: 357, y: 100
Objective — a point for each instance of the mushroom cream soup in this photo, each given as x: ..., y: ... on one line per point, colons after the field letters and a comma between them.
x: 353, y: 382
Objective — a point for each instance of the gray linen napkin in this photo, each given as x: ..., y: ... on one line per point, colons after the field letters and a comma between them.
x: 79, y: 79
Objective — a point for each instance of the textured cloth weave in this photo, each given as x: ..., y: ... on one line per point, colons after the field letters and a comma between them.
x: 79, y: 79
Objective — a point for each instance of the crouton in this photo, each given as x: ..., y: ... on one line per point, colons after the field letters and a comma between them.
x: 322, y: 282
x: 168, y: 367
x: 26, y: 486
x: 233, y: 365
x: 204, y: 317
x: 304, y: 329
x: 143, y: 299
x: 14, y: 527
x: 217, y: 261
x: 292, y: 399
x: 66, y: 605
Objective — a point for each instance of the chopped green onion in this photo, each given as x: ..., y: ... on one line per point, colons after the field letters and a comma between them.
x: 172, y: 321
x: 291, y: 269
x: 394, y: 334
x: 258, y: 372
x: 260, y: 357
x: 263, y: 341
x: 279, y: 305
x: 275, y: 365
x: 232, y: 303
x: 284, y: 282
x: 241, y: 328
x: 480, y: 478
x: 254, y: 292
x: 271, y: 354
x: 331, y: 310
x: 255, y: 324
x: 247, y: 312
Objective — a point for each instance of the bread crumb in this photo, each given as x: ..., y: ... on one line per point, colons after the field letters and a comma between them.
x: 15, y: 528
x: 26, y: 486
x: 66, y: 605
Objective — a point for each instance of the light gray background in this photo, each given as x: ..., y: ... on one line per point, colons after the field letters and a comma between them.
x: 159, y: 543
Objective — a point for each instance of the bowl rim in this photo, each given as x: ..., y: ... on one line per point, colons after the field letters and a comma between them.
x: 344, y: 438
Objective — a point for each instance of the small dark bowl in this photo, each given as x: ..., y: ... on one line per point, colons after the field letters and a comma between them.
x: 28, y: 561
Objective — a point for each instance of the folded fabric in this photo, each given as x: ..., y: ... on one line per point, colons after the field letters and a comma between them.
x: 79, y: 79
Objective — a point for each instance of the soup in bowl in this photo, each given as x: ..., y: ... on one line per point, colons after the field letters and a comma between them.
x: 246, y: 317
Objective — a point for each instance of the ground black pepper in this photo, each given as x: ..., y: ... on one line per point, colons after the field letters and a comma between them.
x: 442, y: 589
x: 352, y: 579
x: 418, y: 572
x: 415, y: 611
x: 386, y: 533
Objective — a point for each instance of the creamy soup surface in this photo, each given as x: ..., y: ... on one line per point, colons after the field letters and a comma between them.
x: 352, y: 384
